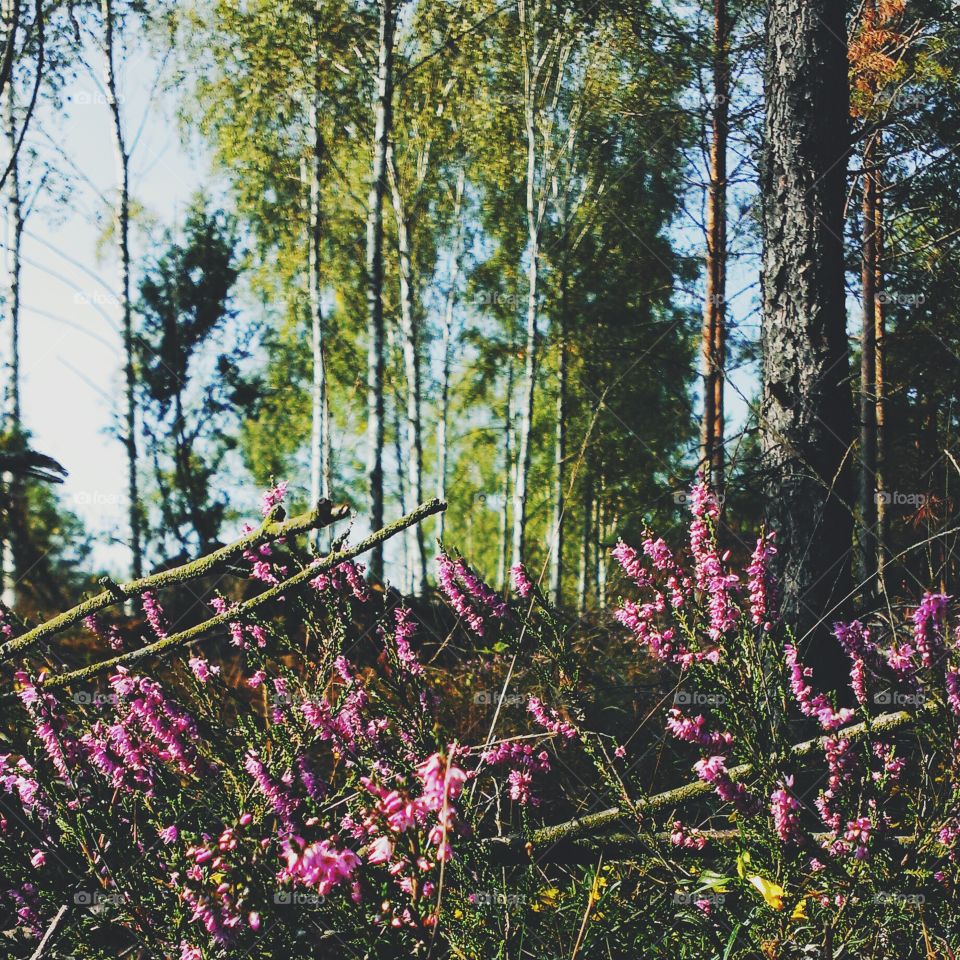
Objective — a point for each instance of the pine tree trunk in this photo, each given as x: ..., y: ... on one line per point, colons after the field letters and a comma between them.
x: 319, y: 409
x: 445, y: 360
x: 410, y: 341
x: 383, y: 114
x: 807, y: 424
x: 868, y: 369
x: 10, y: 424
x: 714, y: 308
x: 880, y: 382
x: 122, y: 229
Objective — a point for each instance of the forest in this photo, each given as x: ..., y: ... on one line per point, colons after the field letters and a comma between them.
x: 477, y: 479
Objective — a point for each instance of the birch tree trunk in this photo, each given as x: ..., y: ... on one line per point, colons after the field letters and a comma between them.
x: 714, y: 308
x: 11, y: 419
x: 122, y: 231
x: 585, y: 544
x: 446, y: 347
x: 410, y: 343
x: 806, y: 428
x: 383, y: 114
x: 533, y: 253
x: 319, y: 409
x: 509, y: 475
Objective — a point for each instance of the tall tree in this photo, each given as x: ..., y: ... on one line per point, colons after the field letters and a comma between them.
x: 110, y: 50
x: 806, y: 416
x: 713, y: 337
x: 383, y: 118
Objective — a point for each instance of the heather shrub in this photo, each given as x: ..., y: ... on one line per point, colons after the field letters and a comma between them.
x: 305, y: 790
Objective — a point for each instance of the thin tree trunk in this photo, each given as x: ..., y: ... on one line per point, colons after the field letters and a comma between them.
x: 714, y: 308
x: 599, y: 553
x: 446, y: 347
x: 383, y: 115
x: 410, y: 342
x: 10, y: 486
x: 880, y: 383
x: 319, y: 409
x: 806, y: 428
x: 509, y: 470
x: 559, y: 456
x: 585, y: 544
x: 868, y: 368
x: 533, y: 253
x: 122, y: 228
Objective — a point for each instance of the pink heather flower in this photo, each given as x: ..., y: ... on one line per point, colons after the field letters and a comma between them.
x: 550, y: 721
x: 713, y: 770
x: 687, y: 840
x: 381, y: 850
x: 761, y: 585
x: 632, y: 564
x: 811, y: 705
x: 660, y: 554
x: 189, y: 952
x: 704, y: 906
x: 154, y: 614
x: 470, y: 597
x: 202, y: 670
x: 38, y: 859
x: 170, y: 834
x: 620, y: 752
x: 256, y: 680
x: 521, y: 581
x: 405, y: 628
x: 278, y: 794
x: 692, y: 731
x: 784, y: 808
x: 709, y: 573
x: 857, y: 834
x: 953, y: 690
x: 270, y: 498
x: 927, y: 626
x: 320, y: 865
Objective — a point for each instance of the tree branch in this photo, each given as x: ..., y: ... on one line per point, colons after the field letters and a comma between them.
x: 272, y: 528
x: 286, y: 587
x: 558, y: 837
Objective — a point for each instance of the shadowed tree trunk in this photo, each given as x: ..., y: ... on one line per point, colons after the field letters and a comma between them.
x: 383, y: 113
x: 807, y: 413
x: 868, y: 369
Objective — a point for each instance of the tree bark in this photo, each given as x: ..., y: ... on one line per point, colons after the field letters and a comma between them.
x: 559, y: 457
x: 868, y: 368
x: 319, y: 408
x: 415, y: 546
x: 714, y: 308
x: 383, y: 116
x: 509, y: 473
x: 11, y: 486
x: 807, y: 428
x: 122, y: 228
x: 880, y: 383
x: 446, y: 347
x: 585, y: 544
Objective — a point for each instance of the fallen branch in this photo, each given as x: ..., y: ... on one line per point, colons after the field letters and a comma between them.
x: 284, y: 588
x: 518, y: 848
x: 272, y: 528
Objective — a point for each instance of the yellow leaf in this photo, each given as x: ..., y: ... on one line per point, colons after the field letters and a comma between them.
x: 800, y: 910
x: 771, y: 892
